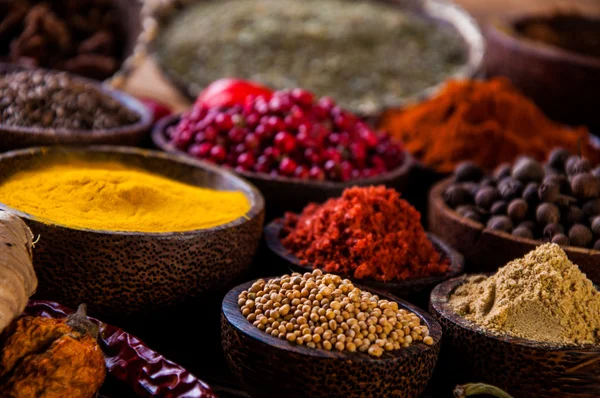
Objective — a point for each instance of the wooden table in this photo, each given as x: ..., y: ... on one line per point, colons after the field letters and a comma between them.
x: 147, y: 81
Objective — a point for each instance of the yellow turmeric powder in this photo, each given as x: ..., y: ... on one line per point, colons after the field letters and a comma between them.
x: 112, y: 196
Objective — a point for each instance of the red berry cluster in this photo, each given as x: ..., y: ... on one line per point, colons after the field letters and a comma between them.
x: 287, y: 133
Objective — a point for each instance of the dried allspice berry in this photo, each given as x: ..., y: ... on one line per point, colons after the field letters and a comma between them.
x: 56, y: 100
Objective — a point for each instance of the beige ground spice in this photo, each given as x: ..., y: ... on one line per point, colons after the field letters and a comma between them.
x: 542, y: 296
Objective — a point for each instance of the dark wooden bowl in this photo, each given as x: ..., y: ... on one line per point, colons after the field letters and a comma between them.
x: 129, y: 13
x: 405, y: 289
x: 121, y: 273
x: 523, y: 368
x: 563, y: 83
x: 486, y: 250
x: 270, y: 367
x: 292, y: 194
x: 15, y: 137
x: 442, y: 12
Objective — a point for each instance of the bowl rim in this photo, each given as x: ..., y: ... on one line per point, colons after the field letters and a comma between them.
x: 126, y: 100
x: 159, y: 139
x: 436, y: 198
x: 257, y: 203
x: 441, y: 12
x: 439, y: 300
x: 493, y: 31
x: 234, y: 317
x: 272, y: 238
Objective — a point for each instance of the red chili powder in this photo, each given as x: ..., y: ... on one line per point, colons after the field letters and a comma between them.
x: 367, y: 233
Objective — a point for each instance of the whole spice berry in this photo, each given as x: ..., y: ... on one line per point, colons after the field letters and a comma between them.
x: 485, y: 197
x: 499, y: 207
x: 597, y: 245
x: 561, y: 240
x: 557, y: 158
x: 547, y: 213
x: 530, y: 194
x: 585, y: 186
x: 575, y: 165
x: 36, y: 98
x: 530, y: 225
x: 580, y: 235
x: 572, y: 215
x: 500, y: 223
x: 561, y: 180
x: 357, y: 234
x: 553, y: 229
x: 510, y: 188
x: 522, y: 232
x: 456, y: 195
x: 591, y: 208
x: 286, y: 133
x: 468, y: 171
x: 324, y: 311
x: 549, y: 191
x: 517, y: 209
x: 502, y: 171
x: 472, y: 187
x: 527, y: 170
x: 596, y: 226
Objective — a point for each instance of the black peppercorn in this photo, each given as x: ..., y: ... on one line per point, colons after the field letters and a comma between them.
x: 591, y: 208
x: 485, y: 197
x: 509, y: 188
x: 527, y: 169
x: 487, y: 182
x: 572, y: 215
x: 472, y: 187
x: 549, y: 191
x: 456, y: 195
x: 553, y: 229
x: 523, y: 232
x: 500, y: 223
x: 547, y: 213
x: 527, y: 224
x: 502, y: 171
x: 557, y: 158
x: 597, y: 245
x: 468, y: 171
x: 561, y: 240
x: 517, y: 209
x: 575, y: 165
x: 561, y: 180
x: 499, y: 207
x: 596, y: 225
x: 530, y: 193
x: 585, y: 186
x: 580, y: 235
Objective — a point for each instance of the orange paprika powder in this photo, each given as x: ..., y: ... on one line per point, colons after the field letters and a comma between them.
x: 367, y: 233
x: 488, y: 122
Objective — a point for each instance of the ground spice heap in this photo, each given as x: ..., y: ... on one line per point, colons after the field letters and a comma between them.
x: 488, y: 123
x: 542, y: 296
x: 113, y: 196
x: 367, y: 233
x: 330, y: 313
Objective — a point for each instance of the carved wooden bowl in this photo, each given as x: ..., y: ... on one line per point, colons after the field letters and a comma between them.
x: 271, y: 367
x: 523, y: 368
x: 292, y: 194
x: 15, y: 137
x: 408, y: 289
x: 539, y: 70
x: 486, y: 249
x: 121, y: 273
x: 441, y: 12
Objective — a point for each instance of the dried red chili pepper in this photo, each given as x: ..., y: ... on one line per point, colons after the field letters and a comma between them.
x: 367, y: 233
x: 229, y: 92
x: 129, y: 360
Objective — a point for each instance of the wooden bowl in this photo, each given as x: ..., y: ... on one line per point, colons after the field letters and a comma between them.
x: 405, y: 289
x: 441, y: 12
x: 129, y: 14
x: 15, y: 137
x: 291, y: 194
x: 563, y: 83
x: 268, y: 366
x: 523, y: 368
x: 485, y: 249
x: 122, y: 273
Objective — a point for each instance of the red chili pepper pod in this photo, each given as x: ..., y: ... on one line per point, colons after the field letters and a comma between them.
x: 129, y: 360
x: 229, y: 92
